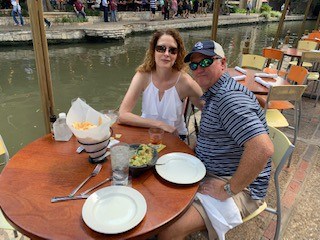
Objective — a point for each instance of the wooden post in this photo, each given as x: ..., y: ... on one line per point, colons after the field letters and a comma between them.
x: 215, y: 17
x: 317, y: 24
x: 284, y: 12
x: 40, y: 47
x: 304, y: 21
x: 245, y: 49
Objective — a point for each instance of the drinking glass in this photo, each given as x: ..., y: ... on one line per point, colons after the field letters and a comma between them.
x: 112, y: 114
x: 155, y: 135
x: 120, y: 155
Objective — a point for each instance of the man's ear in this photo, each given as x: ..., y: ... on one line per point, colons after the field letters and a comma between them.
x: 224, y: 63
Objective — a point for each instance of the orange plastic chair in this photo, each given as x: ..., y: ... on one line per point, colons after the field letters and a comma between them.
x: 273, y: 54
x: 297, y: 75
x: 314, y: 35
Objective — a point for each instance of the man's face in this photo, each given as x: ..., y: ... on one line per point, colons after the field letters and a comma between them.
x: 208, y: 76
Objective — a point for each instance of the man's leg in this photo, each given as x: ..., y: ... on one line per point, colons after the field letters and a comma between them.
x: 191, y: 221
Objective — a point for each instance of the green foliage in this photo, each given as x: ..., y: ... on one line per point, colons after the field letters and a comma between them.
x: 265, y: 8
x: 70, y: 20
x: 266, y: 15
x: 91, y: 12
x: 275, y: 14
x: 240, y: 10
x: 69, y: 8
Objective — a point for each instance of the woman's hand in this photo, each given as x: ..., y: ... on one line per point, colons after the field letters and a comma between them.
x: 214, y: 188
x: 169, y: 128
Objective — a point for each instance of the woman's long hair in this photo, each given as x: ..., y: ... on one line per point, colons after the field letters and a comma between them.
x: 149, y: 63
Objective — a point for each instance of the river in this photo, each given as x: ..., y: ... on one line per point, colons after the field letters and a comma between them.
x: 97, y: 72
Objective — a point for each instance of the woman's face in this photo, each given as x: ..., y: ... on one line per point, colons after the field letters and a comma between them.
x: 166, y: 52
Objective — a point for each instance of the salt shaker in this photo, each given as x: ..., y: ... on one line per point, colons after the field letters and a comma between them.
x: 61, y: 130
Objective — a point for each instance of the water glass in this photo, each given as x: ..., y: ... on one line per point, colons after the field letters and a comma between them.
x: 156, y: 135
x: 120, y: 155
x: 112, y: 114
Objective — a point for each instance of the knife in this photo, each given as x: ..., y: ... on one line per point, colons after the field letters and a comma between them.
x: 66, y: 198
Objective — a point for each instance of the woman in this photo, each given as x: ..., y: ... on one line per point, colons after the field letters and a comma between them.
x: 163, y: 84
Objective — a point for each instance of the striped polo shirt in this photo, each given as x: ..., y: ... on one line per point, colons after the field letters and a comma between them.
x: 231, y: 116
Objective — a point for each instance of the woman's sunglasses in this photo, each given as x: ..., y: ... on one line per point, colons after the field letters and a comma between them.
x: 204, y: 63
x: 163, y: 49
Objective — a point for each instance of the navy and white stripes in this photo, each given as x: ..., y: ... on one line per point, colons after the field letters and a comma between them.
x: 230, y: 117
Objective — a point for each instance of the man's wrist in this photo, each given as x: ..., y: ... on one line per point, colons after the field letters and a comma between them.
x: 227, y: 188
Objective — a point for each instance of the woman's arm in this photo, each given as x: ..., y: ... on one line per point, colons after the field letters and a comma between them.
x: 138, y: 84
x: 190, y: 88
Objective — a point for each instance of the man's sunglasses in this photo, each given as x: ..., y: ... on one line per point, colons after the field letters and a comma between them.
x: 163, y: 49
x: 204, y: 63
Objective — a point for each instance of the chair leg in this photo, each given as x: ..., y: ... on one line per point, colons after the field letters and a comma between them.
x: 15, y: 233
x: 318, y: 94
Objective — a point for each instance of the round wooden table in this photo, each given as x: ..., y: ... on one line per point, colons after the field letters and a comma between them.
x: 46, y: 168
x: 252, y: 85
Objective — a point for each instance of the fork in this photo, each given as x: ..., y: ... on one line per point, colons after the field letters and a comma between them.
x: 95, y: 171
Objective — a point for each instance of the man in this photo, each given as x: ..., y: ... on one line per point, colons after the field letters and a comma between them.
x: 79, y: 8
x: 233, y: 143
x: 249, y: 6
x: 96, y: 5
x: 16, y: 10
x: 105, y: 7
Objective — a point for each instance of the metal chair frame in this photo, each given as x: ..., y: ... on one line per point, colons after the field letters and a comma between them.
x: 288, y: 93
x: 3, y: 222
x: 314, y: 75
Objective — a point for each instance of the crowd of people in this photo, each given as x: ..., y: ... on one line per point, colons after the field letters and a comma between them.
x: 233, y: 141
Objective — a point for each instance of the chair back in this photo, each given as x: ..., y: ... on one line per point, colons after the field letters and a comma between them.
x: 297, y: 74
x: 274, y: 54
x: 285, y: 93
x: 307, y: 45
x: 314, y: 35
x: 3, y: 153
x: 311, y: 56
x: 253, y: 61
x: 282, y: 147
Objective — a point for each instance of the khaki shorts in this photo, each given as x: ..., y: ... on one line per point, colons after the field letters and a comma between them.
x: 243, y: 201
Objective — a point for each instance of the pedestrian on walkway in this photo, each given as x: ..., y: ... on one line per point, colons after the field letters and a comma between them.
x: 113, y: 8
x: 166, y: 9
x: 105, y: 8
x: 16, y: 10
x: 249, y: 6
x: 48, y: 23
x: 79, y: 8
x: 152, y: 9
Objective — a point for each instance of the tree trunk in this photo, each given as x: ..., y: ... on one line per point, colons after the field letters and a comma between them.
x: 47, y: 7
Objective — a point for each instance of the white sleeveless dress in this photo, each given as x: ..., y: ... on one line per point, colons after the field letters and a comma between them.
x: 168, y: 110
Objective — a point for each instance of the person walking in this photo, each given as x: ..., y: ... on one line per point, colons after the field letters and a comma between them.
x: 16, y: 10
x: 166, y: 7
x: 249, y: 6
x: 105, y: 7
x: 79, y: 8
x: 152, y: 9
x: 113, y: 9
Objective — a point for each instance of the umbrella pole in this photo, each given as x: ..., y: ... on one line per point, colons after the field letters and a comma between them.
x: 214, y: 30
x: 40, y: 47
x: 283, y: 16
x: 317, y: 24
x: 304, y: 20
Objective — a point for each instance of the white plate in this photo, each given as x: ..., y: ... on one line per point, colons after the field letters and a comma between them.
x: 180, y: 168
x: 114, y: 209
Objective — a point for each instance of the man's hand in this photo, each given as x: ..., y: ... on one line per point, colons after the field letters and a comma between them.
x: 214, y: 188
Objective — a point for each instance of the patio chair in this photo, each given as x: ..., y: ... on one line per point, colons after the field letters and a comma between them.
x: 253, y: 61
x: 296, y: 75
x: 283, y: 148
x: 304, y: 45
x: 314, y: 35
x: 275, y: 118
x: 273, y: 54
x: 313, y: 76
x: 4, y: 159
x: 189, y: 111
